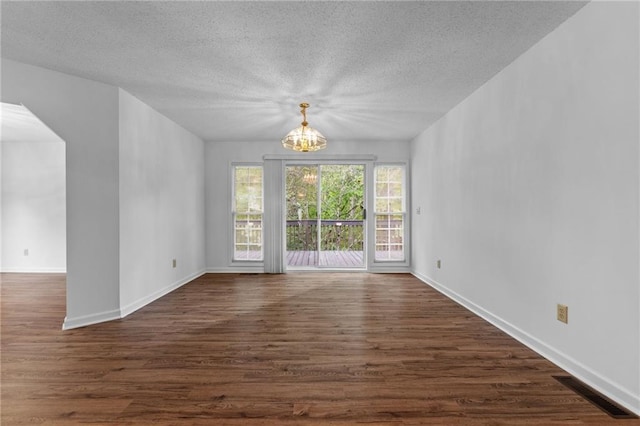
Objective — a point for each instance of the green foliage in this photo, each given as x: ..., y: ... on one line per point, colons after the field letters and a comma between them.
x: 248, y: 189
x: 341, y: 199
x: 301, y: 192
x: 342, y: 192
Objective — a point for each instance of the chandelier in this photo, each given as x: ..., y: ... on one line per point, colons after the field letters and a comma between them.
x: 310, y: 178
x: 304, y: 138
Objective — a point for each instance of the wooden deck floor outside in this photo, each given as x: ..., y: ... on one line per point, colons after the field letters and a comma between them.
x: 336, y: 259
x: 326, y: 258
x: 307, y: 348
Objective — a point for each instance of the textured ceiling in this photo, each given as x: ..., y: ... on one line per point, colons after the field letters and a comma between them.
x: 231, y: 71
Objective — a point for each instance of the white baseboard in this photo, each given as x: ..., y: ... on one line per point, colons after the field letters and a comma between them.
x: 115, y: 314
x: 615, y: 392
x: 84, y: 320
x: 34, y: 270
x: 144, y: 301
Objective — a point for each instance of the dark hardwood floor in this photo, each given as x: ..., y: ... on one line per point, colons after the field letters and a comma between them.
x: 305, y: 348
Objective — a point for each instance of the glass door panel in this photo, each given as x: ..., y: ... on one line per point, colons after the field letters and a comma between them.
x: 325, y: 216
x: 301, y: 189
x: 341, y: 216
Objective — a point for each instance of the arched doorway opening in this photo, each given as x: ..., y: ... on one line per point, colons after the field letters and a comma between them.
x: 33, y: 193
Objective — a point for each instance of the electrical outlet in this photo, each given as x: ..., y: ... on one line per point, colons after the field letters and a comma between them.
x: 175, y: 263
x: 439, y: 264
x: 26, y: 252
x: 563, y: 313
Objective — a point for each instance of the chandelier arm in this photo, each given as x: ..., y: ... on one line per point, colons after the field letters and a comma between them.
x: 304, y: 107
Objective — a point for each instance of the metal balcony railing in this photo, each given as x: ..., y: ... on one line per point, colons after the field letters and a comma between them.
x: 336, y: 235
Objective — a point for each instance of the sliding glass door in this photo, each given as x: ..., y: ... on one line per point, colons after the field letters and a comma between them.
x: 325, y: 216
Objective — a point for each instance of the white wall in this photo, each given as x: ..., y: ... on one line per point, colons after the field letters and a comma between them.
x: 161, y: 204
x: 218, y: 159
x: 114, y: 268
x: 84, y: 114
x: 33, y: 207
x: 529, y: 192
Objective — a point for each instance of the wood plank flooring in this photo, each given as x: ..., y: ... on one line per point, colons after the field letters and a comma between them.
x: 305, y: 348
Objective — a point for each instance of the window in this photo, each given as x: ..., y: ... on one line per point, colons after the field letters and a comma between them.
x: 389, y: 213
x: 247, y: 212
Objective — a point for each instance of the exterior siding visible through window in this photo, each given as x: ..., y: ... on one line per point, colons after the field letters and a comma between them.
x: 390, y: 213
x: 247, y: 212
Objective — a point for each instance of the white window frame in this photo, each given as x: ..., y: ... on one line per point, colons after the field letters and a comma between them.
x: 235, y: 213
x: 405, y: 261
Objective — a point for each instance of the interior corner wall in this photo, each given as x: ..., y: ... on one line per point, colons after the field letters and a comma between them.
x: 218, y: 159
x: 529, y: 195
x: 161, y: 204
x: 33, y: 207
x: 84, y: 114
